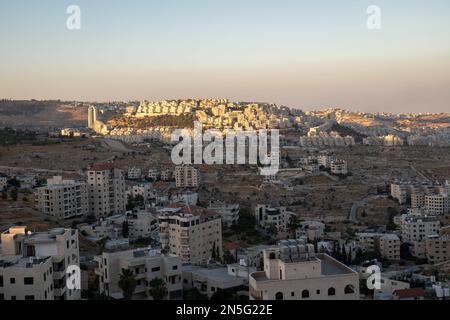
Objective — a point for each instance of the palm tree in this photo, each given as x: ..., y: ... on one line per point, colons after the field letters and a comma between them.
x: 127, y: 283
x: 158, y: 289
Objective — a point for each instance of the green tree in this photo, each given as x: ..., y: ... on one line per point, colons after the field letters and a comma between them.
x: 158, y: 289
x: 127, y: 283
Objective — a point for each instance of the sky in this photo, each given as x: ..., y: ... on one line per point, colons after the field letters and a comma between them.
x: 303, y: 54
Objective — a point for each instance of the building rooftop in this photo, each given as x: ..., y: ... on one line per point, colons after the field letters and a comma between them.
x: 218, y: 274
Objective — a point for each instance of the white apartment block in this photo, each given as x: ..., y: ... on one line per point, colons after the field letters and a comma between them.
x: 415, y: 228
x: 166, y: 175
x: 146, y: 265
x: 388, y: 245
x: 399, y: 192
x: 192, y: 233
x: 325, y: 160
x: 134, y: 173
x: 438, y: 204
x: 63, y: 199
x: 26, y: 278
x: 34, y: 266
x: 298, y: 273
x: 438, y: 248
x: 145, y: 190
x: 228, y: 212
x: 339, y: 167
x: 186, y: 177
x: 141, y: 225
x: 313, y: 230
x: 107, y: 195
x: 271, y: 215
x: 153, y: 174
x: 3, y: 183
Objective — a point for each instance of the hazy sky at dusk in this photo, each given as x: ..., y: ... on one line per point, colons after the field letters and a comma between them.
x: 304, y: 54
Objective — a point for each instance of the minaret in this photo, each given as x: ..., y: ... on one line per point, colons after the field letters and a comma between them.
x: 92, y: 117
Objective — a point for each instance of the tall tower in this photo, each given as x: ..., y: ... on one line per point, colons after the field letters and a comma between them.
x: 92, y: 117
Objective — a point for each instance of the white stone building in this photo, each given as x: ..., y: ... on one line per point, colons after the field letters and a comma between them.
x: 228, y: 212
x: 134, y: 173
x: 298, y: 273
x: 34, y: 266
x: 192, y: 233
x: 107, y: 195
x: 63, y: 199
x: 186, y: 177
x: 339, y: 167
x: 146, y: 265
x: 3, y: 183
x: 271, y: 215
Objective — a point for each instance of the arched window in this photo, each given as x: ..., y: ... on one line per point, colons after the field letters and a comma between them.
x: 349, y: 289
x: 279, y: 296
x: 332, y: 292
x: 305, y: 294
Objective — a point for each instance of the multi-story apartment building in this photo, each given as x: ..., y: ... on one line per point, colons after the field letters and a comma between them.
x: 63, y: 199
x: 146, y: 265
x: 186, y: 177
x: 141, y: 225
x: 228, y: 212
x: 26, y: 278
x: 437, y: 204
x: 3, y: 183
x: 166, y: 175
x: 35, y: 265
x: 153, y: 174
x: 417, y: 228
x: 388, y: 245
x: 438, y: 248
x: 339, y: 167
x: 134, y: 173
x: 145, y: 190
x: 192, y: 233
x: 399, y: 192
x: 271, y: 215
x: 106, y: 186
x: 298, y: 273
x: 325, y: 160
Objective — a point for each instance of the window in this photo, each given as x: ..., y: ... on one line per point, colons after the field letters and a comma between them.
x: 1, y: 281
x: 279, y: 296
x: 29, y: 297
x: 292, y: 294
x: 318, y: 291
x: 332, y: 292
x: 28, y: 281
x: 305, y: 294
x: 156, y: 269
x: 13, y: 298
x: 349, y: 289
x: 175, y: 268
x: 12, y: 280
